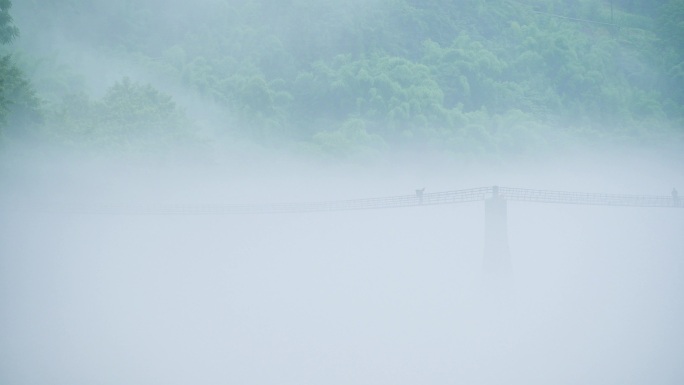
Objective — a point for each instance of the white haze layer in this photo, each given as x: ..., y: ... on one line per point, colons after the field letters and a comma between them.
x: 364, y: 297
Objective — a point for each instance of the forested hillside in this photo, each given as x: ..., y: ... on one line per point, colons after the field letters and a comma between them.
x: 354, y: 79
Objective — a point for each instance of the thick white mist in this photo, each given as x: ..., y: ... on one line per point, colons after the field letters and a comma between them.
x: 390, y: 296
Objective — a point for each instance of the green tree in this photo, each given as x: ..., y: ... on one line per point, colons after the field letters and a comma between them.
x: 671, y: 34
x: 470, y: 75
x: 8, y: 31
x: 19, y: 106
x: 131, y: 118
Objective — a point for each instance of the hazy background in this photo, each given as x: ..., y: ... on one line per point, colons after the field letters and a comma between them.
x: 215, y: 102
x: 368, y: 297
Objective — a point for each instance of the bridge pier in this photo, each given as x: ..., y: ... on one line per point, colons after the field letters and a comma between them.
x: 497, y: 258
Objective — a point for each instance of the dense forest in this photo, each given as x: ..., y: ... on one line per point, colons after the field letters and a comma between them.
x: 342, y: 80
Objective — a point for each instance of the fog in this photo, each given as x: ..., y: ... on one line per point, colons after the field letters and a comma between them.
x: 376, y: 296
x: 152, y: 103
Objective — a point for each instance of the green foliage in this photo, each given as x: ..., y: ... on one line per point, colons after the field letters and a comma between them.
x: 671, y: 34
x: 357, y: 77
x: 19, y: 105
x: 131, y: 118
x: 351, y: 141
x: 8, y: 31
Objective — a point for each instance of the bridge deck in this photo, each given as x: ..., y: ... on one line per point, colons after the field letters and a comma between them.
x: 418, y: 199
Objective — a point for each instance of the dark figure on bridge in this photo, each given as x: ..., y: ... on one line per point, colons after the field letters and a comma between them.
x: 675, y: 197
x: 419, y: 194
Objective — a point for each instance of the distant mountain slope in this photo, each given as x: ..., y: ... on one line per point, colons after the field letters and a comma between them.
x: 466, y: 77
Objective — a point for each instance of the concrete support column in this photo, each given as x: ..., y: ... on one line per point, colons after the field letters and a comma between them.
x: 497, y: 257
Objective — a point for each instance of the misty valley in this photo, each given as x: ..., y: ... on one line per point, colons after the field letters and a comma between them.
x: 359, y: 192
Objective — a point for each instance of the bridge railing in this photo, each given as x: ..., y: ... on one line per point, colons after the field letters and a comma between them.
x: 457, y: 196
x: 417, y: 199
x: 438, y: 198
x: 580, y: 198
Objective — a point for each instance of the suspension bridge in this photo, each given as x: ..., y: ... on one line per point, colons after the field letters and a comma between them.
x: 389, y: 202
x: 496, y: 252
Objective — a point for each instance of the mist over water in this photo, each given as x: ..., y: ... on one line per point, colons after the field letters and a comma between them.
x: 158, y: 103
x: 379, y: 296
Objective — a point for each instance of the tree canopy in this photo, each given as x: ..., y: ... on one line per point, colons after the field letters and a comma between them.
x: 473, y: 77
